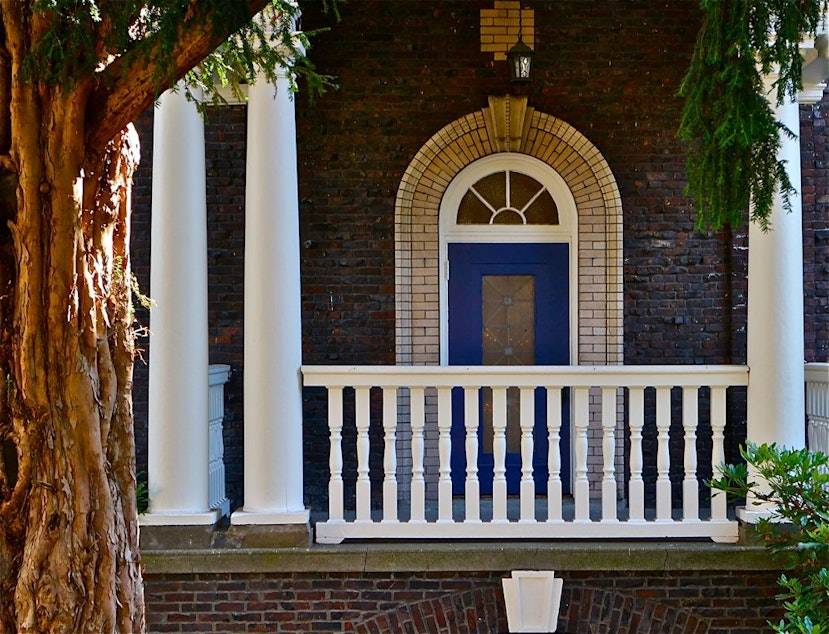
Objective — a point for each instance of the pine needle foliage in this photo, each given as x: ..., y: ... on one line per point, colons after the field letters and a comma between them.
x: 83, y: 38
x: 731, y: 127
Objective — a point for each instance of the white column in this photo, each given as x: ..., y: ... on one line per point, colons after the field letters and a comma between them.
x: 273, y: 327
x: 775, y: 311
x: 775, y: 346
x: 178, y: 391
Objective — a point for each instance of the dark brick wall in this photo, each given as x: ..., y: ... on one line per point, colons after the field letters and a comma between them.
x: 592, y: 602
x: 815, y: 189
x: 140, y: 260
x: 405, y: 69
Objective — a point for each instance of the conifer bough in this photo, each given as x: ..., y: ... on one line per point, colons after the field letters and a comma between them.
x: 733, y: 135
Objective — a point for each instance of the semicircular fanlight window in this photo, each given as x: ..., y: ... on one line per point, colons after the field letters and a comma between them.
x: 507, y: 198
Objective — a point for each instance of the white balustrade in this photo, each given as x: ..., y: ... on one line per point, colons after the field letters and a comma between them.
x: 817, y: 405
x: 673, y: 422
x: 217, y: 377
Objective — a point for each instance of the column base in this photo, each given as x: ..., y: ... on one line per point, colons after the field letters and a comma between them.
x: 167, y: 537
x: 208, y: 518
x: 753, y: 514
x: 243, y: 517
x: 270, y: 530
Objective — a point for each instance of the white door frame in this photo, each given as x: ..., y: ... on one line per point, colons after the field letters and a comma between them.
x: 565, y: 232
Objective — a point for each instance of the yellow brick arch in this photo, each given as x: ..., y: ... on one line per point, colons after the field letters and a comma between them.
x: 508, y: 124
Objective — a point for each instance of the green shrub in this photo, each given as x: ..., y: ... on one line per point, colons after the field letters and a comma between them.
x: 795, y: 484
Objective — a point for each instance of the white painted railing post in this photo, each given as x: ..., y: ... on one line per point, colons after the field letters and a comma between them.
x: 444, y: 454
x: 719, y: 506
x: 335, y: 459
x: 499, y: 450
x: 690, y: 484
x: 636, y: 487
x: 472, y: 487
x: 361, y: 408
x: 418, y: 509
x: 527, y: 486
x: 609, y: 454
x: 581, y: 489
x: 554, y: 489
x: 390, y: 454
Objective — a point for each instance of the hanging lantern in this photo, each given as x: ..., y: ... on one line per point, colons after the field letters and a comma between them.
x: 520, y: 56
x: 520, y: 59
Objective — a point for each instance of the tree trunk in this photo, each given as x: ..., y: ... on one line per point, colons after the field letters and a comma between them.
x: 69, y: 557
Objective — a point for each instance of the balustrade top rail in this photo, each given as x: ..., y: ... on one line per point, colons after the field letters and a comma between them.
x: 525, y: 376
x: 817, y: 372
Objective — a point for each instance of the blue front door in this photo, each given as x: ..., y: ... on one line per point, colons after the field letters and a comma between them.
x: 508, y: 305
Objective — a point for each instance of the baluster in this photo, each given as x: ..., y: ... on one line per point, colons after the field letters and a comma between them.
x: 472, y: 491
x: 663, y: 458
x: 363, y: 482
x: 499, y: 450
x: 335, y: 456
x: 718, y: 501
x: 444, y: 455
x: 581, y: 489
x: 527, y: 488
x: 418, y: 513
x: 821, y: 411
x: 554, y: 454
x: 811, y: 415
x: 609, y: 454
x: 690, y: 421
x: 824, y: 413
x: 390, y: 454
x: 636, y: 488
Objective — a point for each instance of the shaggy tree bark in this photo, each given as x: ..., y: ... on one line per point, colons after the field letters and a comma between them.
x: 69, y: 557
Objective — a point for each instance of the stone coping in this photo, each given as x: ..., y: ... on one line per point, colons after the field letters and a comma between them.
x: 465, y: 556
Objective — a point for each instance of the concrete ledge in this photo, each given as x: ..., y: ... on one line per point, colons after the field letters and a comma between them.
x: 223, y: 538
x: 468, y: 556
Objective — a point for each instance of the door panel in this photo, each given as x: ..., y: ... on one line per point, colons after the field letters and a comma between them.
x: 508, y: 305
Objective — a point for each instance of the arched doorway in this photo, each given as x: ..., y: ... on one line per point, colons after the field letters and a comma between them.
x: 509, y: 247
x: 507, y: 130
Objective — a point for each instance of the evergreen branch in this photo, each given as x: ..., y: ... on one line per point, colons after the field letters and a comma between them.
x: 131, y: 83
x: 733, y: 135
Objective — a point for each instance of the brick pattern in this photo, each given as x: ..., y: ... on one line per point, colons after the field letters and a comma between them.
x: 500, y: 26
x: 472, y: 612
x: 815, y: 193
x: 673, y: 602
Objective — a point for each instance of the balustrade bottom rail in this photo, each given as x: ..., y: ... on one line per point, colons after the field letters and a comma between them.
x: 634, y: 430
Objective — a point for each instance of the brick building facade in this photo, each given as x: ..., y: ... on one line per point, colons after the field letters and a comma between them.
x: 405, y: 71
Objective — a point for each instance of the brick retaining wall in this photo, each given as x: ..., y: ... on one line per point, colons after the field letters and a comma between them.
x: 688, y: 602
